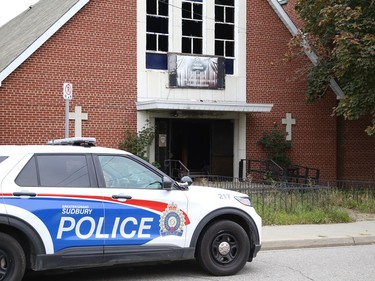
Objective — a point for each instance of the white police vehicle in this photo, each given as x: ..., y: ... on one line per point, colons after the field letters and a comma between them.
x: 69, y: 206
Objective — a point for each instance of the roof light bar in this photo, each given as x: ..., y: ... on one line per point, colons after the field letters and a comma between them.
x: 77, y: 141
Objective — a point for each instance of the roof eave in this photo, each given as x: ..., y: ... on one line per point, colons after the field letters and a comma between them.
x: 192, y: 105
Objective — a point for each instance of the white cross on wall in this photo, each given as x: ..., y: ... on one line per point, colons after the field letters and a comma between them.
x: 289, y: 121
x: 78, y: 116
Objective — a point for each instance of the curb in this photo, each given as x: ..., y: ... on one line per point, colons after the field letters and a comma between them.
x: 317, y: 243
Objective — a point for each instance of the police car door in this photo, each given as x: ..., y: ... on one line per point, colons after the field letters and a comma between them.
x: 138, y: 211
x: 57, y: 194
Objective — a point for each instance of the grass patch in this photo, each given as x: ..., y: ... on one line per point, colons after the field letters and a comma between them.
x: 320, y: 206
x: 303, y: 216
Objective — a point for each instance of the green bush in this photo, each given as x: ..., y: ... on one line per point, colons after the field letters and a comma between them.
x: 276, y: 146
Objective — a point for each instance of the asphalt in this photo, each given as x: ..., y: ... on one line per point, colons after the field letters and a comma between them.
x: 318, y: 235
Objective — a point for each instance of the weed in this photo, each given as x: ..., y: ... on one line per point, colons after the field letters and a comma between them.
x: 317, y: 206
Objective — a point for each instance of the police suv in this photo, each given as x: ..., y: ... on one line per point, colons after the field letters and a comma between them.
x: 78, y: 205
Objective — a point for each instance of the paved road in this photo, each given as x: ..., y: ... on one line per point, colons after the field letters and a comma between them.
x: 320, y: 264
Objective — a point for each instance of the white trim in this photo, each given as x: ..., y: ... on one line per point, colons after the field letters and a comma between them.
x: 281, y: 2
x: 294, y: 31
x: 41, y: 40
x: 202, y: 106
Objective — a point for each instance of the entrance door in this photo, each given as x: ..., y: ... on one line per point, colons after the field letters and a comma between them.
x: 203, y: 146
x: 222, y: 148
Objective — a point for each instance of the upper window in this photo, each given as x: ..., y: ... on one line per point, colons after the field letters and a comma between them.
x: 55, y: 171
x: 157, y: 25
x: 224, y: 28
x: 192, y: 19
x: 123, y: 172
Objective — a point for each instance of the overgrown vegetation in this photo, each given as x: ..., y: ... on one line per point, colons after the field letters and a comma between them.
x: 342, y: 34
x: 319, y: 206
x: 360, y: 200
x: 276, y: 146
x: 138, y: 143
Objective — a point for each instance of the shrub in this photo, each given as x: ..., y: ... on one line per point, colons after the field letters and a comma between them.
x: 276, y: 146
x: 137, y: 143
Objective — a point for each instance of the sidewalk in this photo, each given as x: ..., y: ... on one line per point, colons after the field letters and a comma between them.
x: 319, y: 235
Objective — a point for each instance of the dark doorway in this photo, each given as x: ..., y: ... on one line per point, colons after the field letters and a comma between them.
x: 205, y: 147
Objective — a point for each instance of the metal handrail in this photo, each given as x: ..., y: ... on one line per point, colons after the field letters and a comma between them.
x: 294, y: 173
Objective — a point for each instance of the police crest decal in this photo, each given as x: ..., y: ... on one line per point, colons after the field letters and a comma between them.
x: 172, y: 221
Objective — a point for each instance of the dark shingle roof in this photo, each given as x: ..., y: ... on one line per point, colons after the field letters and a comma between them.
x: 23, y: 31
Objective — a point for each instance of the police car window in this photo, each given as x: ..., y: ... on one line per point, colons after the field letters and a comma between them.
x: 2, y: 158
x: 123, y: 172
x: 63, y: 170
x: 28, y: 175
x: 55, y: 170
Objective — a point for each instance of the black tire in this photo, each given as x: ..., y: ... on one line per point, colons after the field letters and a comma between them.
x: 12, y: 259
x: 223, y: 248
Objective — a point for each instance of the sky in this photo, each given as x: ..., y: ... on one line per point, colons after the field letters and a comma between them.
x: 11, y: 8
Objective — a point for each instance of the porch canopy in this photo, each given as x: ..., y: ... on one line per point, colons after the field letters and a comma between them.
x: 200, y: 105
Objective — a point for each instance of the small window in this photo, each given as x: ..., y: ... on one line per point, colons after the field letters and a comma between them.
x: 55, y: 171
x: 28, y: 175
x: 123, y: 172
x: 156, y: 61
x: 2, y: 158
x: 157, y: 25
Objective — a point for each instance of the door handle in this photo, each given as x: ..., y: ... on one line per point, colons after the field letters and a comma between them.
x: 24, y: 194
x: 120, y: 196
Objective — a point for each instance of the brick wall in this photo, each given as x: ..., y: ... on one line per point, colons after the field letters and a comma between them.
x: 356, y: 156
x: 96, y: 51
x: 340, y: 149
x: 273, y: 79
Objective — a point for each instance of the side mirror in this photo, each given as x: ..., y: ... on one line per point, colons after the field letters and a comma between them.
x: 187, y: 180
x: 167, y: 183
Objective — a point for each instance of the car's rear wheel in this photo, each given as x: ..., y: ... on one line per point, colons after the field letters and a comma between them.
x: 223, y: 248
x: 12, y: 259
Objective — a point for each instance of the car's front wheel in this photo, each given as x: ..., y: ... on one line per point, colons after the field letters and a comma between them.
x: 223, y: 248
x: 12, y: 259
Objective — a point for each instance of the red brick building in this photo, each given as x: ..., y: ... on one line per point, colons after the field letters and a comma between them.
x: 136, y: 62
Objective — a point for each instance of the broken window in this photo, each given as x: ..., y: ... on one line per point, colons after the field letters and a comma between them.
x: 192, y: 19
x: 157, y: 25
x: 224, y: 28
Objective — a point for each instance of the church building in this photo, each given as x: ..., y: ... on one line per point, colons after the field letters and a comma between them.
x: 211, y: 76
